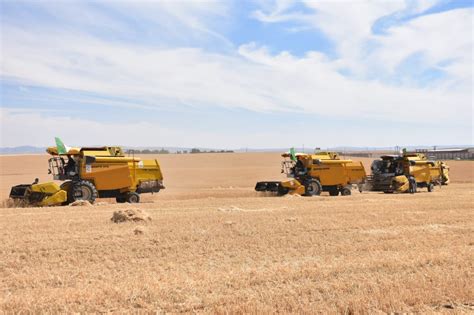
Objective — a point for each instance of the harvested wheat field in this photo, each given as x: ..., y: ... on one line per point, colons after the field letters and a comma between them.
x: 209, y: 243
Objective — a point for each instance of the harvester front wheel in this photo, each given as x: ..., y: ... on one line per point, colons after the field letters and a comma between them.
x: 412, y: 185
x: 82, y: 190
x: 313, y: 188
x: 346, y: 191
x: 120, y: 199
x: 66, y: 186
x: 132, y: 197
x: 430, y: 187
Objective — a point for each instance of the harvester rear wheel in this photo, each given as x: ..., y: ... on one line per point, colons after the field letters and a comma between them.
x: 430, y: 187
x: 132, y: 197
x: 346, y: 191
x: 412, y: 185
x: 313, y: 188
x: 82, y: 190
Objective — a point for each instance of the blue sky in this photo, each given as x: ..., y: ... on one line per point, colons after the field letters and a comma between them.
x: 233, y: 74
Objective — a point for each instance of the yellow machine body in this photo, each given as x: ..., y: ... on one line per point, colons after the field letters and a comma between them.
x: 440, y: 170
x: 109, y: 169
x: 293, y: 186
x: 53, y: 194
x: 406, y: 173
x: 322, y: 171
x: 103, y: 172
x: 44, y: 194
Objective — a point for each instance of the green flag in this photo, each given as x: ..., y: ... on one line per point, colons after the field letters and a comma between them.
x: 60, y: 146
x: 292, y: 154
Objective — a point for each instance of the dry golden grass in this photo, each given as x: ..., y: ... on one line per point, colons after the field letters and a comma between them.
x: 214, y: 245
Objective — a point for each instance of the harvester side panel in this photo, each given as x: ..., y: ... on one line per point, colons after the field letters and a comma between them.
x: 329, y: 175
x: 421, y: 173
x: 436, y: 174
x: 339, y: 174
x: 146, y: 170
x: 107, y: 176
x: 356, y: 172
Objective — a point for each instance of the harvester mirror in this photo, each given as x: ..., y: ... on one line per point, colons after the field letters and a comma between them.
x: 90, y: 159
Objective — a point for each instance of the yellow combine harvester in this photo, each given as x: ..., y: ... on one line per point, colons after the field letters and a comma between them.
x: 406, y: 173
x: 90, y: 173
x: 313, y: 173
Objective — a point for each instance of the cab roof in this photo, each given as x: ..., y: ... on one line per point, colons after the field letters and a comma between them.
x: 93, y: 151
x: 322, y: 155
x: 71, y: 151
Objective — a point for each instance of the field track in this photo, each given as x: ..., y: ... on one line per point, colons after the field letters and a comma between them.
x: 215, y: 245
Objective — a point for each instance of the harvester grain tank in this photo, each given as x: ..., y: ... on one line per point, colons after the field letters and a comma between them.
x: 90, y: 173
x: 406, y: 173
x: 310, y: 174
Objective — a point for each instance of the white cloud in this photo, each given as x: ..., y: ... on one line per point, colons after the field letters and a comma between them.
x: 22, y: 127
x: 41, y: 128
x: 250, y: 77
x: 275, y: 11
x: 438, y: 37
x: 194, y: 77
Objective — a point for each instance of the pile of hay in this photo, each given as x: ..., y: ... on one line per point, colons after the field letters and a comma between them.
x: 130, y: 215
x: 80, y: 203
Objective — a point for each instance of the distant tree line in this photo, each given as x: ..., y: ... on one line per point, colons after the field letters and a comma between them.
x: 163, y: 151
x: 195, y: 150
x: 148, y: 151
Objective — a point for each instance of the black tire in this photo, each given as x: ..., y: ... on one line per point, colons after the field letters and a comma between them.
x: 66, y: 185
x: 412, y: 183
x: 82, y: 190
x: 312, y: 188
x: 282, y: 190
x: 132, y: 197
x: 346, y: 191
x: 120, y: 199
x: 430, y: 187
x: 333, y: 192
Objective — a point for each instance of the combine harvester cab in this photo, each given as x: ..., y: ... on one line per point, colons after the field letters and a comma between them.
x: 90, y: 173
x: 313, y: 173
x: 406, y: 173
